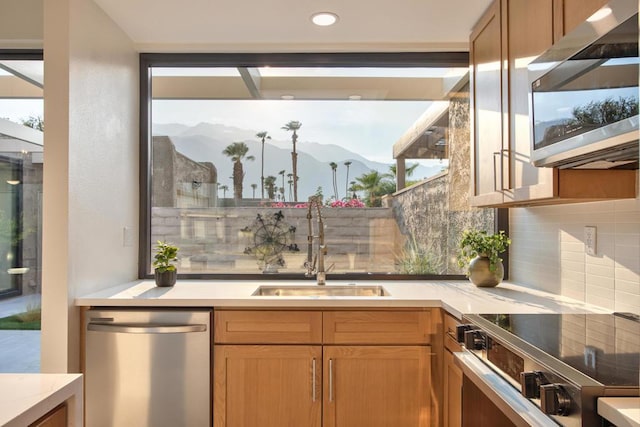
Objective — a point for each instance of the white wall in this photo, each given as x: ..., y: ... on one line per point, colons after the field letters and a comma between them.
x: 548, y: 252
x: 90, y: 168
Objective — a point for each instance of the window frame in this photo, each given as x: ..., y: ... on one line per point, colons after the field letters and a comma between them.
x: 342, y: 59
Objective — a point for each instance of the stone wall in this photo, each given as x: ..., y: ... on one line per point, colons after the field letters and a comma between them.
x: 179, y: 181
x: 436, y: 211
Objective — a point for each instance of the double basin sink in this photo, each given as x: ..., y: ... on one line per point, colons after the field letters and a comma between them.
x: 321, y: 291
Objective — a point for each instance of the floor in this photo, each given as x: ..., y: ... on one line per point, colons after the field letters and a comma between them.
x: 19, y: 350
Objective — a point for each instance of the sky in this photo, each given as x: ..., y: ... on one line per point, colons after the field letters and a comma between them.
x: 369, y: 128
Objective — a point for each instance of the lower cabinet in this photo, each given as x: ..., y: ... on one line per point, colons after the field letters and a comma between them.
x: 452, y: 392
x: 345, y: 379
x: 57, y: 417
x: 267, y: 385
x: 376, y: 386
x: 452, y: 376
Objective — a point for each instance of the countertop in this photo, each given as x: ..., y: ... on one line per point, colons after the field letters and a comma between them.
x: 621, y: 411
x: 457, y: 297
x: 24, y: 398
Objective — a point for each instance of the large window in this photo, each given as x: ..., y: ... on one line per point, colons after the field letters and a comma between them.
x: 21, y: 162
x: 234, y: 147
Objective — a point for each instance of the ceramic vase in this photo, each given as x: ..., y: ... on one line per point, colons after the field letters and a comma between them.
x: 480, y: 274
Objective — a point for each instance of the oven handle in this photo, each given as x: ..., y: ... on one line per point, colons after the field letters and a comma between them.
x: 515, y: 406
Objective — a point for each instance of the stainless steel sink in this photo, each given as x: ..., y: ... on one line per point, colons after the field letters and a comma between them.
x: 320, y: 291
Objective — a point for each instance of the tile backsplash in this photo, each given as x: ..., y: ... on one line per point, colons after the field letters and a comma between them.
x: 548, y: 252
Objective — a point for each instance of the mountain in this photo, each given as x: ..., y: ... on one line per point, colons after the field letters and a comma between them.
x: 205, y: 142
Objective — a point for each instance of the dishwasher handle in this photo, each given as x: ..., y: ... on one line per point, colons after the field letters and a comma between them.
x: 145, y: 329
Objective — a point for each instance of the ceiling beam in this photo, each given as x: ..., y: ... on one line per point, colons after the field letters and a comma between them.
x: 252, y: 79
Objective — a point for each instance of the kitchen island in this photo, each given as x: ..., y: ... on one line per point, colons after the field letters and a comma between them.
x: 29, y: 399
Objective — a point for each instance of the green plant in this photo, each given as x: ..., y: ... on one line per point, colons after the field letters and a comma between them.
x: 166, y: 255
x: 416, y: 260
x: 480, y: 243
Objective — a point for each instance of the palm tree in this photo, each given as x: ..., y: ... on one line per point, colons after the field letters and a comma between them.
x: 293, y: 126
x: 237, y: 151
x: 270, y: 186
x: 353, y: 188
x: 290, y: 182
x: 253, y: 187
x: 281, y: 173
x: 262, y: 135
x: 408, y: 171
x: 224, y: 189
x: 346, y: 181
x: 334, y: 170
x: 374, y: 184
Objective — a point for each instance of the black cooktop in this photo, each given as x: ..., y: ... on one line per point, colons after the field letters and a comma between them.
x: 606, y: 347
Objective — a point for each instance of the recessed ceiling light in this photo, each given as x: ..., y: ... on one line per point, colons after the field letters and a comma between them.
x: 287, y: 97
x: 13, y: 182
x: 355, y: 97
x: 324, y: 19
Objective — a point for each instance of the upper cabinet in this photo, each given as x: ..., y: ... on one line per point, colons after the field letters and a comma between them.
x: 568, y: 14
x: 510, y: 35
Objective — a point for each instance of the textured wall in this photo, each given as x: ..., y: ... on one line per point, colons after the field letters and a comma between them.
x: 437, y: 211
x: 90, y: 168
x: 548, y: 252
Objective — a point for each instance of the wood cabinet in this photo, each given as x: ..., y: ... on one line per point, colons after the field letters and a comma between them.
x: 376, y: 386
x: 267, y: 385
x: 57, y: 417
x: 452, y: 375
x: 568, y: 14
x: 505, y: 40
x: 356, y: 374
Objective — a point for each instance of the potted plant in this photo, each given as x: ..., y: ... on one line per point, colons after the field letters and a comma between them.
x: 163, y: 264
x: 480, y: 251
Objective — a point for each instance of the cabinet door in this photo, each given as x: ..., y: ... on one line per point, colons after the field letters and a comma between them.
x: 486, y: 86
x: 452, y: 392
x: 376, y: 386
x: 529, y: 31
x: 267, y: 386
x: 57, y: 417
x: 571, y: 13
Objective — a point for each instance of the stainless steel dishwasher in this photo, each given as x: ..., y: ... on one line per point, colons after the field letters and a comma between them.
x: 148, y: 368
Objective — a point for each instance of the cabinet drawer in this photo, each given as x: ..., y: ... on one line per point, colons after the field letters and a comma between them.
x: 268, y: 327
x: 450, y: 339
x: 376, y: 327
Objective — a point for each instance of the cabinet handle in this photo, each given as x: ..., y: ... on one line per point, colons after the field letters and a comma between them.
x: 313, y: 380
x: 495, y: 169
x: 330, y: 380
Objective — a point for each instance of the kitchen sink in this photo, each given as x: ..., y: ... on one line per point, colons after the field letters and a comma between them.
x: 321, y: 291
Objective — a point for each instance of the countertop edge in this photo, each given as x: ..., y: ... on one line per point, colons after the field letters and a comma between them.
x: 622, y: 411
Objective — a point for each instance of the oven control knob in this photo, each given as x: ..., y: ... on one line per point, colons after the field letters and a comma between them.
x: 474, y: 340
x: 530, y: 382
x: 554, y: 400
x: 461, y: 329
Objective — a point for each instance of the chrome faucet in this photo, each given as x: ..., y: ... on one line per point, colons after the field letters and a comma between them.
x: 310, y: 263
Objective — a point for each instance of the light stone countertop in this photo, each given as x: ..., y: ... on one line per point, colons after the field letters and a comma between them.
x: 457, y: 297
x: 621, y: 411
x: 24, y: 398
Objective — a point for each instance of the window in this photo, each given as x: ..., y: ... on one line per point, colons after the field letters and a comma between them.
x: 21, y: 162
x: 234, y: 146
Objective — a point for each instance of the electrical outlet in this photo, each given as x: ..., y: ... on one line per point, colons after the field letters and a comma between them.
x: 590, y: 240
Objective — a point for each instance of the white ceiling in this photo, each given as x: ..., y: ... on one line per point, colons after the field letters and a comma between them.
x: 285, y: 26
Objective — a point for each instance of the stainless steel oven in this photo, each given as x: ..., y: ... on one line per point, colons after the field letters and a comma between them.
x: 546, y: 369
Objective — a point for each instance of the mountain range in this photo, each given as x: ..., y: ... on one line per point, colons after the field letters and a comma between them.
x: 205, y: 142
